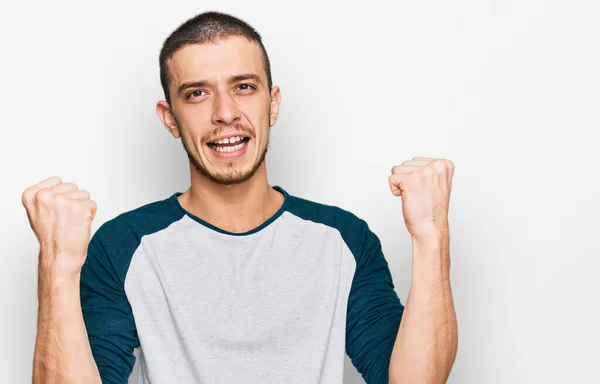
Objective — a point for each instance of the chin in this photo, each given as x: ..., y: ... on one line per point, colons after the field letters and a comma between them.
x: 234, y: 170
x: 229, y: 174
x: 231, y: 179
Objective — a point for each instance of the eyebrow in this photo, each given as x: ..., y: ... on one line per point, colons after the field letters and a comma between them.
x: 204, y: 83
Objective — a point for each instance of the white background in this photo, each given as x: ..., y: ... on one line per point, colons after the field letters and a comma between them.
x: 508, y: 90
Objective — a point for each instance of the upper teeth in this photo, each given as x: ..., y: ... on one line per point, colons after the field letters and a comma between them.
x: 230, y: 140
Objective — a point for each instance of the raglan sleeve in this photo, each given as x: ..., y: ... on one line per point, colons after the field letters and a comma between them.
x: 106, y: 311
x: 374, y: 309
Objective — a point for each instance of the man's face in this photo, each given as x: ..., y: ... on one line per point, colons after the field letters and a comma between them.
x: 221, y: 107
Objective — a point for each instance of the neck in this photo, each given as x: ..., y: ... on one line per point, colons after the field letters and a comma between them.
x: 234, y: 208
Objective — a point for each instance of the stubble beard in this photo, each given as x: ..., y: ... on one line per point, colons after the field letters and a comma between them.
x: 231, y: 175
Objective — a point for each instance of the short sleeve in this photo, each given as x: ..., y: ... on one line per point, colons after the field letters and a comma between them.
x: 374, y: 310
x: 106, y: 311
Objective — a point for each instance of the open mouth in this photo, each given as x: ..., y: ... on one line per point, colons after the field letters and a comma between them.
x: 229, y: 144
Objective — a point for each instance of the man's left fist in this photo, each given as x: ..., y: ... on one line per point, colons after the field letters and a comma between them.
x: 424, y: 184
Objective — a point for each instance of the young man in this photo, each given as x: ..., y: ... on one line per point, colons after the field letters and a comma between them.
x: 236, y: 281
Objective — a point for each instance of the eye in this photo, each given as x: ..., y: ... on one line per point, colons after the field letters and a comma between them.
x: 244, y: 87
x: 196, y: 93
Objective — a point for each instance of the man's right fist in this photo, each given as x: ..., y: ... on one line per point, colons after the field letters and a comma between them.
x: 61, y: 216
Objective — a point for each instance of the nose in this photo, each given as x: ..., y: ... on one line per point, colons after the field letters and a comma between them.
x: 225, y: 110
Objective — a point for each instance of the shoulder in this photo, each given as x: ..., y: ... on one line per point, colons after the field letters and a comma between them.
x: 140, y: 221
x: 116, y: 240
x: 327, y: 214
x: 353, y: 229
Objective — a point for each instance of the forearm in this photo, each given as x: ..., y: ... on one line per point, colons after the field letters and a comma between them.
x: 62, y: 350
x: 426, y: 344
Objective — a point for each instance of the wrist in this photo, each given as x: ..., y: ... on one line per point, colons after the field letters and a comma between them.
x: 431, y: 236
x: 60, y: 266
x: 431, y: 255
x: 57, y: 297
x: 58, y: 278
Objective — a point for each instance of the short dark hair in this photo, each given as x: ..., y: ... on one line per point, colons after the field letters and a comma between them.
x: 208, y: 27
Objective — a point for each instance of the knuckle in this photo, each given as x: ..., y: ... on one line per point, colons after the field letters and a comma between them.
x: 65, y: 186
x: 45, y: 195
x: 428, y: 171
x: 26, y: 196
x: 85, y: 205
x: 62, y: 201
x: 92, y: 209
x: 83, y: 194
x: 439, y: 166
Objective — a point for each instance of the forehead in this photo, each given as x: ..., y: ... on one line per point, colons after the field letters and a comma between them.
x: 216, y: 62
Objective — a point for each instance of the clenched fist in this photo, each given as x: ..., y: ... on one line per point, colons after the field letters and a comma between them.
x: 60, y: 215
x: 425, y: 184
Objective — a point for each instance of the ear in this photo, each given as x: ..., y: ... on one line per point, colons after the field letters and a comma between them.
x: 163, y: 110
x: 275, y: 101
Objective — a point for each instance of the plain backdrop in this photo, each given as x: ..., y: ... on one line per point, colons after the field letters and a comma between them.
x: 508, y: 90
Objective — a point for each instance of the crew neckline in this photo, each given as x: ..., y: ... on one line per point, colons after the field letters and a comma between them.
x: 266, y: 223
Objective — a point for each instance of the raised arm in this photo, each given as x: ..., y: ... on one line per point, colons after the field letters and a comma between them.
x: 60, y: 215
x: 427, y: 340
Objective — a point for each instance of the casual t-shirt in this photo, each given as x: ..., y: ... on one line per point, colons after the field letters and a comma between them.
x: 281, y: 303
